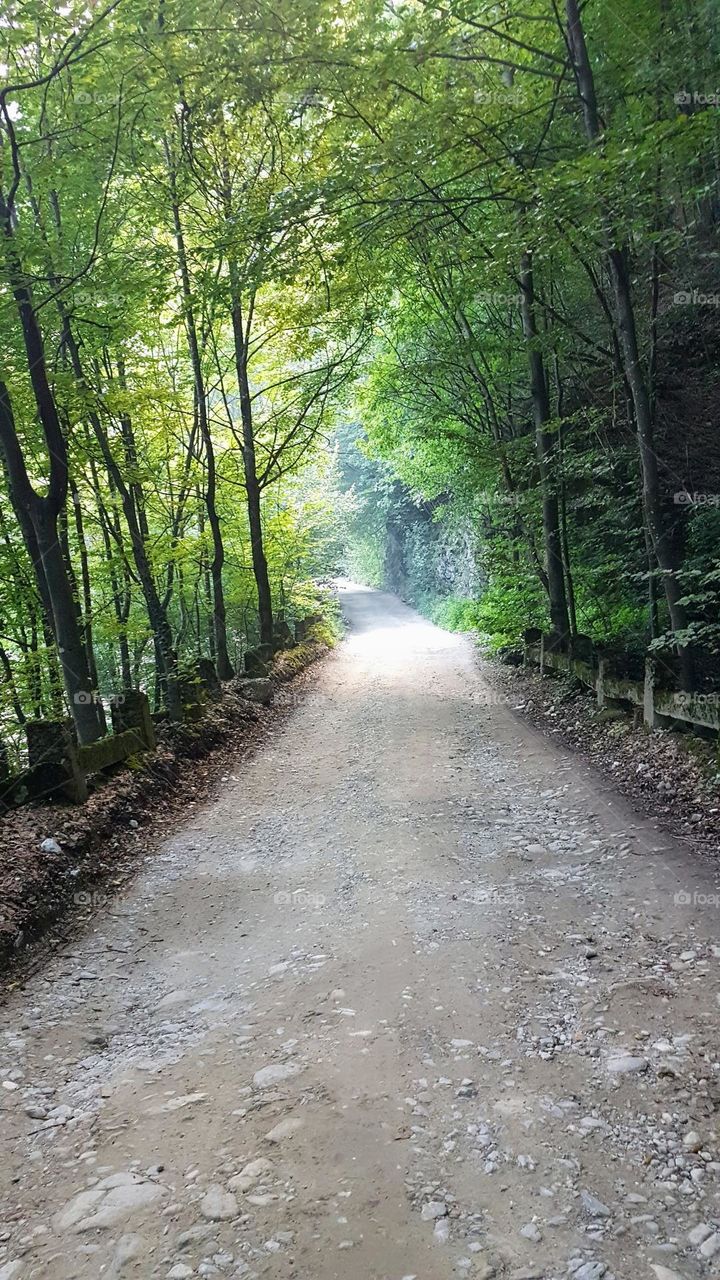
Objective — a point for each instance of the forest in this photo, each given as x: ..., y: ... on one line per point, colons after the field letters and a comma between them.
x: 425, y: 293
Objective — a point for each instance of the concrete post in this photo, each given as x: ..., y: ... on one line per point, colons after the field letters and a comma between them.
x: 131, y: 710
x: 53, y: 760
x: 600, y: 682
x: 649, y: 716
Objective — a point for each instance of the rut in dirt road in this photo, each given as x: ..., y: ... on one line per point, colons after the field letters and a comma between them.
x: 415, y: 997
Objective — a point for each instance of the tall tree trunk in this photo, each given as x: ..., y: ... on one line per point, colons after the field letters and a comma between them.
x: 45, y: 544
x: 111, y: 532
x: 44, y: 512
x: 166, y: 656
x: 224, y: 666
x: 132, y: 502
x: 252, y: 487
x: 25, y: 524
x: 545, y: 448
x: 627, y: 328
x: 86, y: 591
x: 81, y: 692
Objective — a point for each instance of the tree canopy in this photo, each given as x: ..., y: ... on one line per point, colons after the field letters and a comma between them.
x: 435, y: 280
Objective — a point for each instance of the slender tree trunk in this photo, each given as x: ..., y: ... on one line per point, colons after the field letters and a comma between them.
x: 43, y: 514
x: 133, y: 506
x: 73, y: 654
x: 545, y: 448
x: 222, y: 658
x: 111, y: 532
x: 637, y: 381
x: 86, y: 618
x: 7, y: 669
x: 44, y: 511
x: 25, y: 524
x: 252, y: 487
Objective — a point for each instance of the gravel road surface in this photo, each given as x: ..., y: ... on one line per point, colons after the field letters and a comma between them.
x: 414, y: 997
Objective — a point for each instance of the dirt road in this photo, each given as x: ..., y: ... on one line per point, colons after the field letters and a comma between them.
x: 414, y: 997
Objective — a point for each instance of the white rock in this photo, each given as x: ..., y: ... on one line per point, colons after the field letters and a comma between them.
x: 251, y: 1174
x: 710, y: 1247
x: 36, y: 1112
x: 181, y: 1271
x: 432, y: 1210
x: 61, y: 1114
x: 266, y: 1077
x: 441, y: 1234
x: 531, y: 1232
x: 218, y: 1205
x: 284, y: 1129
x: 129, y: 1247
x: 10, y: 1270
x: 50, y: 846
x: 699, y: 1233
x: 183, y: 1100
x: 110, y: 1202
x: 625, y: 1064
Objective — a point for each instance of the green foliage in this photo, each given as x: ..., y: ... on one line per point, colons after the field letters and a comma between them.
x: 311, y: 274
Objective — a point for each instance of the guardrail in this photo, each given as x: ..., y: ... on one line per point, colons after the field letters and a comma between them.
x: 58, y: 765
x: 660, y: 707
